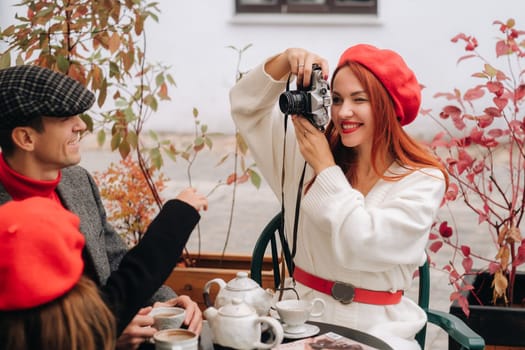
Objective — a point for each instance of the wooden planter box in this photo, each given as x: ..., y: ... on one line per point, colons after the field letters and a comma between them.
x: 191, y: 280
x: 502, y: 327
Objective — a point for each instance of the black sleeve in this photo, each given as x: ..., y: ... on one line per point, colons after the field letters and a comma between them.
x: 147, y: 265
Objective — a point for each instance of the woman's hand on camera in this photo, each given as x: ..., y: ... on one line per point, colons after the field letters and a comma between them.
x: 296, y: 61
x: 313, y: 144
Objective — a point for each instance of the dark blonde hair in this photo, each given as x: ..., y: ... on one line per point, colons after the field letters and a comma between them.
x: 389, y: 137
x: 79, y: 320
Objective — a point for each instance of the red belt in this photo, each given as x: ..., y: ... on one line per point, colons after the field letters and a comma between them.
x: 346, y: 292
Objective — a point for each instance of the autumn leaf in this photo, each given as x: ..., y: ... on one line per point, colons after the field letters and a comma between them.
x: 485, y: 120
x: 463, y: 302
x: 465, y: 250
x: 449, y: 111
x: 163, y: 92
x: 520, y: 257
x: 243, y: 178
x: 446, y: 95
x: 500, y: 102
x: 114, y: 42
x: 124, y: 148
x: 503, y: 257
x: 452, y: 192
x: 502, y: 48
x: 514, y: 235
x: 495, y: 87
x: 432, y: 236
x: 467, y: 264
x: 502, y: 235
x: 435, y: 246
x: 519, y: 93
x: 474, y: 93
x: 464, y: 161
x: 493, y: 267
x: 231, y: 179
x: 499, y: 285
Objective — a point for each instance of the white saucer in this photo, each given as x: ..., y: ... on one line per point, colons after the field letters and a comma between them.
x: 309, y: 331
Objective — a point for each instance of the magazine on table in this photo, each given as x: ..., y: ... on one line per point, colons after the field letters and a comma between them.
x: 327, y: 341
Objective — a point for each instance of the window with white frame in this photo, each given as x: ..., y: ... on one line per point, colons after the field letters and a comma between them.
x: 307, y: 6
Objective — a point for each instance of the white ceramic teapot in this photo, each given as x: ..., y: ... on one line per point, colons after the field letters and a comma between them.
x: 237, y: 325
x: 241, y: 287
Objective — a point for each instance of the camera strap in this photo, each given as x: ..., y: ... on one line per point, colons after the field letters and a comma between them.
x: 290, y: 256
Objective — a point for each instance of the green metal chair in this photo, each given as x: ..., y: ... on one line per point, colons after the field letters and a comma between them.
x: 456, y: 329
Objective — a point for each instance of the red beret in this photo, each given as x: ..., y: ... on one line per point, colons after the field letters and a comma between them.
x: 393, y: 73
x: 40, y: 252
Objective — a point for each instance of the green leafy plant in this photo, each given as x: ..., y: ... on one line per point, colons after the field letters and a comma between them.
x: 482, y: 146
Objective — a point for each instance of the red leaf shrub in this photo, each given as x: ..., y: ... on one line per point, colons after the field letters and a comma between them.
x: 484, y: 153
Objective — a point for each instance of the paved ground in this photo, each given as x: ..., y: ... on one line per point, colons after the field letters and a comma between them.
x: 253, y: 209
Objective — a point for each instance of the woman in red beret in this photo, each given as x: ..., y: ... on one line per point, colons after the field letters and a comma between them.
x: 47, y: 302
x: 367, y: 192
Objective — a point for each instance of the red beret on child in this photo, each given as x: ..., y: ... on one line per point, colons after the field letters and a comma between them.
x: 393, y: 73
x: 40, y: 252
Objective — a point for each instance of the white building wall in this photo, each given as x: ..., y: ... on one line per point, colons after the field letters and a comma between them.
x: 192, y: 37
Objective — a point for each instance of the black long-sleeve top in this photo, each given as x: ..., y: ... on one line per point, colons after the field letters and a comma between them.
x: 147, y: 265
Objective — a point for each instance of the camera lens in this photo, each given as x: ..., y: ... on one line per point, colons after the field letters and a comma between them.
x: 293, y: 102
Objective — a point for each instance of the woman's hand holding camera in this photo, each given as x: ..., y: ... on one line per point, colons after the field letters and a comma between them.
x: 312, y: 144
x: 298, y: 62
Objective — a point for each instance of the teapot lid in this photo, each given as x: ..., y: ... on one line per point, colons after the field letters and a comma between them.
x: 237, y: 308
x: 242, y: 282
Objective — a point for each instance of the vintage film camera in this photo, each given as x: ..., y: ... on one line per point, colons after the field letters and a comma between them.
x: 312, y: 101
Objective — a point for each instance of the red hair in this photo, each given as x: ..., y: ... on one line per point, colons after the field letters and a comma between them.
x: 389, y: 138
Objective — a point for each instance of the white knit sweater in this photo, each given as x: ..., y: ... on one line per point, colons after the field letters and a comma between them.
x: 374, y: 242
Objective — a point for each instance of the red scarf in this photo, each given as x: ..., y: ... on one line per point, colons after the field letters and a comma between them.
x: 21, y: 187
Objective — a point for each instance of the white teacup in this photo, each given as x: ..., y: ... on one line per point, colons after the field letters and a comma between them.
x: 167, y: 317
x: 176, y: 339
x: 294, y: 313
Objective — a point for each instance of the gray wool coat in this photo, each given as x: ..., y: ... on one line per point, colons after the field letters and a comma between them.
x: 104, y: 248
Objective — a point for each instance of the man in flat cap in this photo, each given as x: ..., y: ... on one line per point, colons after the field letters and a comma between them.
x: 40, y: 130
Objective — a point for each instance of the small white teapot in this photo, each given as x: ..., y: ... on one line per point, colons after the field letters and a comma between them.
x: 237, y: 325
x: 241, y: 287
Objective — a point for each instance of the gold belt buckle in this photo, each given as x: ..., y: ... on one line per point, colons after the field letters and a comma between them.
x: 343, y: 292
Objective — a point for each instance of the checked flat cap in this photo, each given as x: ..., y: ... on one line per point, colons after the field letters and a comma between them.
x: 27, y: 92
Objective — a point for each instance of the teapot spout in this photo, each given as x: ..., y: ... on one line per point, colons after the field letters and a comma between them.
x: 210, y: 313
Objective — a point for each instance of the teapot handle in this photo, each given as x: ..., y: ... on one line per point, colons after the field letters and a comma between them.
x: 207, y: 287
x: 277, y: 331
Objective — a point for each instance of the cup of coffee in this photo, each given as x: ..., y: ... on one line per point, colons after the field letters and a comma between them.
x: 167, y: 317
x: 294, y: 313
x: 176, y: 339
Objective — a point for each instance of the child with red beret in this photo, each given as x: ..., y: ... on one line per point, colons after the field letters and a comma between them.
x: 366, y: 193
x: 47, y: 303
